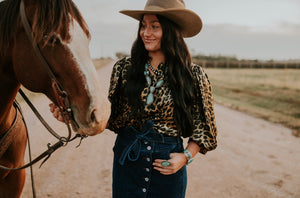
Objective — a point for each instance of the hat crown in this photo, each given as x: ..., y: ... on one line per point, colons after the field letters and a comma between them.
x: 174, y: 10
x: 164, y: 4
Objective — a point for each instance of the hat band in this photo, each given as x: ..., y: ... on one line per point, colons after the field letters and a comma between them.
x: 153, y: 8
x: 165, y: 4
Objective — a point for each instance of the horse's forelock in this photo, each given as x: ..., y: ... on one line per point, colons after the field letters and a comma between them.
x: 53, y: 16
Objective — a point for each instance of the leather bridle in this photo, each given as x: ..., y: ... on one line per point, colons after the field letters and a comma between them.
x: 60, y: 94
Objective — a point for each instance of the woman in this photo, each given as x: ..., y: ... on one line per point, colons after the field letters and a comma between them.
x: 158, y: 96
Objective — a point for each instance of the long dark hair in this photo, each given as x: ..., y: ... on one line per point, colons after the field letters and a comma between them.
x: 179, y: 76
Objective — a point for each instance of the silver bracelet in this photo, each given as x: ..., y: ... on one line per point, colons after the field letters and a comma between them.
x: 188, y: 156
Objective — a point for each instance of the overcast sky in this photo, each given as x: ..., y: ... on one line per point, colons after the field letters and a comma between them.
x: 256, y: 29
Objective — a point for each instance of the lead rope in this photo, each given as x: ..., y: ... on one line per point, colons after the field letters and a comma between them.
x: 17, y: 105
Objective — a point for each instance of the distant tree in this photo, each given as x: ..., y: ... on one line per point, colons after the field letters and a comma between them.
x: 121, y: 55
x: 214, y: 57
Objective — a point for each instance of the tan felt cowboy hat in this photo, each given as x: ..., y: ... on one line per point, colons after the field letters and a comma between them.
x: 174, y: 10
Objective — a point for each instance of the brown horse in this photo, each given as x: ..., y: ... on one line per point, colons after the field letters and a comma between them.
x: 63, y: 38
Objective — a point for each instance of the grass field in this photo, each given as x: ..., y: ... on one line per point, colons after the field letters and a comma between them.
x: 273, y: 94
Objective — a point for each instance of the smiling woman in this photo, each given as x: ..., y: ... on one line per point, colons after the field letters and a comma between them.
x: 151, y: 33
x: 157, y: 97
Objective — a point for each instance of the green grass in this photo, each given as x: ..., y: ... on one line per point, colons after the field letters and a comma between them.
x: 273, y: 94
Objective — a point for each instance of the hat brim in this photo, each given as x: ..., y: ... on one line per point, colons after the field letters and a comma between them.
x: 189, y: 22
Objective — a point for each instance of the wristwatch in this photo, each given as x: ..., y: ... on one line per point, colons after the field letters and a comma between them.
x: 188, y: 156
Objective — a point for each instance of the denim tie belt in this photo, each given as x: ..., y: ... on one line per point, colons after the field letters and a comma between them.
x: 146, y: 134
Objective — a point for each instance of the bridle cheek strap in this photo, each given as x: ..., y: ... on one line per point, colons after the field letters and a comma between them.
x: 60, y: 95
x: 62, y: 101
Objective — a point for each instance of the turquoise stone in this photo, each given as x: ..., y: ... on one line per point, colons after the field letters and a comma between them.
x: 165, y: 163
x: 152, y: 89
x: 148, y: 79
x: 159, y: 83
x: 150, y: 99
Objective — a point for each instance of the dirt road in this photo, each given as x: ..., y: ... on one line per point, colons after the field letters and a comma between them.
x: 254, y: 159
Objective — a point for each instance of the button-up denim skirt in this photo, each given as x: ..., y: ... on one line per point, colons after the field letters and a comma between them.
x: 133, y: 173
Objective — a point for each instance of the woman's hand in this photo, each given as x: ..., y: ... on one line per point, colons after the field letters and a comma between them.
x: 56, y: 112
x: 177, y: 160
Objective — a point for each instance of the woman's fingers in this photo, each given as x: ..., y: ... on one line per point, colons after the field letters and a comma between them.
x: 56, y: 112
x: 175, y: 163
x: 165, y: 170
x: 158, y: 161
x: 60, y: 118
x: 52, y: 107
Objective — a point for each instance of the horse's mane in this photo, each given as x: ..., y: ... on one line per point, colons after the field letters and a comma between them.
x: 50, y: 17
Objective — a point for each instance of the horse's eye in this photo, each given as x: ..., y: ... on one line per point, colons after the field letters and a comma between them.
x: 45, y: 37
x: 51, y: 40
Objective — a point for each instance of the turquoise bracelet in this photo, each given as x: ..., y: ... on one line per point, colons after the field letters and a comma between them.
x: 188, y: 156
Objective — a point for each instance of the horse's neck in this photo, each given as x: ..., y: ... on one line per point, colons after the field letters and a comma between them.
x: 9, y: 87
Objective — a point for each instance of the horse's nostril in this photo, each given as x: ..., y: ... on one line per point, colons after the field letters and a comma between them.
x: 93, y: 116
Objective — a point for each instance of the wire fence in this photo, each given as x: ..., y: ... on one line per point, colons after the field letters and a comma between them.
x: 247, y: 64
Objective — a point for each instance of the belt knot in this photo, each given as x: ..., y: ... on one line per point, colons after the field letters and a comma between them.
x: 132, y: 151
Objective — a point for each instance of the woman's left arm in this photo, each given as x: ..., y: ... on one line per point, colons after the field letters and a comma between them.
x: 205, y: 131
x: 177, y: 160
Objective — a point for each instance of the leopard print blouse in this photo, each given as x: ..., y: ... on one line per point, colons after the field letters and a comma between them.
x: 161, y: 111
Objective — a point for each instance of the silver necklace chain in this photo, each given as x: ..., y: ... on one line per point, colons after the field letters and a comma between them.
x: 155, y: 71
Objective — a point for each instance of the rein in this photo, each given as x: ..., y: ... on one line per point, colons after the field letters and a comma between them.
x: 50, y: 149
x: 46, y: 153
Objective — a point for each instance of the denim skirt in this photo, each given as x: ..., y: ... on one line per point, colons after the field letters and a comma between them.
x: 133, y: 173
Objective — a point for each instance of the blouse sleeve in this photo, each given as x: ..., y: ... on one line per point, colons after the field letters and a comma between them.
x: 114, y: 93
x: 116, y: 78
x: 205, y: 131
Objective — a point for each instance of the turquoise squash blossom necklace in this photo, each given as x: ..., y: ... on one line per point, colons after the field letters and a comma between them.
x: 159, y: 83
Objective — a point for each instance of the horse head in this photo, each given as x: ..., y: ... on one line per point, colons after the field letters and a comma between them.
x: 62, y: 37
